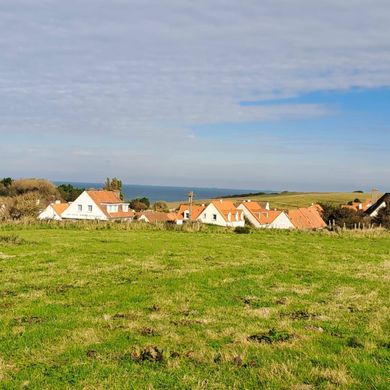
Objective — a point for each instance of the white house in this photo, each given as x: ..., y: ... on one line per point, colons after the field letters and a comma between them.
x: 382, y: 202
x: 261, y: 217
x: 54, y: 211
x: 183, y: 214
x: 99, y: 205
x: 223, y: 213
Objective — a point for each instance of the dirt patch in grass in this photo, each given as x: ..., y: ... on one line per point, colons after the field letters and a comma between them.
x: 147, y: 354
x: 271, y: 337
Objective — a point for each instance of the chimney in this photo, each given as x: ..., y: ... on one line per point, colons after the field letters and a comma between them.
x: 221, y: 200
x: 57, y: 202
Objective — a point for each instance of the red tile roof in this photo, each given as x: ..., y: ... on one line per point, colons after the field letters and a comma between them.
x: 263, y: 216
x: 225, y: 207
x: 195, y: 212
x: 102, y: 198
x: 157, y: 216
x: 59, y: 208
x: 306, y: 218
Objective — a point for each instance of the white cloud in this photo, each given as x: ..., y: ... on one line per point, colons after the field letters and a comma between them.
x: 152, y: 70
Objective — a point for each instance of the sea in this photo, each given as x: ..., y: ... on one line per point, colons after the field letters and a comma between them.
x: 167, y: 193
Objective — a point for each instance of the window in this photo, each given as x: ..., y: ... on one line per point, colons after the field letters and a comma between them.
x: 90, y: 208
x: 125, y: 208
x: 214, y: 217
x: 79, y: 207
x: 187, y: 215
x: 204, y: 215
x: 112, y: 208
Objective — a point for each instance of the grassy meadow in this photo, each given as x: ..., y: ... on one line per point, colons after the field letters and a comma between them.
x: 94, y: 307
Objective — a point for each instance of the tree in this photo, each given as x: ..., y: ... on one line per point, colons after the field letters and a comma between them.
x: 137, y: 205
x: 342, y: 215
x: 145, y: 201
x: 383, y: 217
x: 69, y: 193
x: 160, y: 206
x: 7, y: 182
x: 113, y: 184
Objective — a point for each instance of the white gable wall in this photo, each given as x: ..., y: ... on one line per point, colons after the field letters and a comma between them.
x: 250, y: 216
x: 375, y: 212
x: 72, y: 212
x: 49, y: 213
x: 282, y: 221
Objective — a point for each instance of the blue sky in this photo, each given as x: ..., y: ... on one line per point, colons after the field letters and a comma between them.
x: 255, y: 94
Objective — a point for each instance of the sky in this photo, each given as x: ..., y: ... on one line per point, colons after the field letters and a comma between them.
x: 258, y: 94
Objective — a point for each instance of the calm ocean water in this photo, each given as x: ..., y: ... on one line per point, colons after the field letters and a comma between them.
x: 168, y: 194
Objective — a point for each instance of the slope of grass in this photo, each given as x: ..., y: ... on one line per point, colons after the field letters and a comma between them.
x: 154, y: 309
x: 298, y: 199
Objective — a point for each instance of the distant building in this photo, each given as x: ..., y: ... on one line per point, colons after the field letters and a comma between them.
x: 306, y: 218
x: 98, y: 205
x: 151, y: 216
x: 359, y: 206
x: 53, y: 211
x: 382, y: 202
x: 261, y: 217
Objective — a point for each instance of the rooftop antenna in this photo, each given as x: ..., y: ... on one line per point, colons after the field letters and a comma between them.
x: 190, y: 200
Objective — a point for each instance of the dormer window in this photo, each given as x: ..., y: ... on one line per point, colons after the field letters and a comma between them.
x: 112, y: 208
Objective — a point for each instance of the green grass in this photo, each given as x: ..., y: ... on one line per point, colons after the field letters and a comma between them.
x: 115, y: 308
x: 298, y: 199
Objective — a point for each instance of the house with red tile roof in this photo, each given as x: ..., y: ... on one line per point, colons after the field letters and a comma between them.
x: 183, y: 214
x: 223, y: 213
x: 151, y: 216
x: 98, y: 205
x: 261, y: 217
x: 359, y: 206
x: 306, y: 218
x: 53, y: 211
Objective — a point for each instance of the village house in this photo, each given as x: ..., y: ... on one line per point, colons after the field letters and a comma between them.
x: 223, y: 213
x: 261, y: 217
x: 53, y: 211
x: 358, y: 206
x: 98, y: 205
x: 151, y: 216
x: 183, y: 214
x: 382, y: 202
x: 306, y: 218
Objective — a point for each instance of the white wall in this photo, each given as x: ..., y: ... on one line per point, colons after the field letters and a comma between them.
x: 282, y: 221
x: 49, y: 213
x: 210, y: 210
x: 84, y: 200
x: 375, y: 213
x: 250, y: 216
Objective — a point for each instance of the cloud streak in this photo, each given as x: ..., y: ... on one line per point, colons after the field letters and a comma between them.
x: 145, y: 71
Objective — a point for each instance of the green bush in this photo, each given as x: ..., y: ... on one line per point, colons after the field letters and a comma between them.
x: 242, y: 230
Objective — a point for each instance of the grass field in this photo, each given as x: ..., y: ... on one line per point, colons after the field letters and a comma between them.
x: 112, y: 308
x: 297, y: 199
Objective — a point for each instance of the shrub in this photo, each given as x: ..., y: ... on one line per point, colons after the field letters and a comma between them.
x: 383, y: 217
x: 343, y: 216
x: 242, y: 230
x: 160, y: 206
